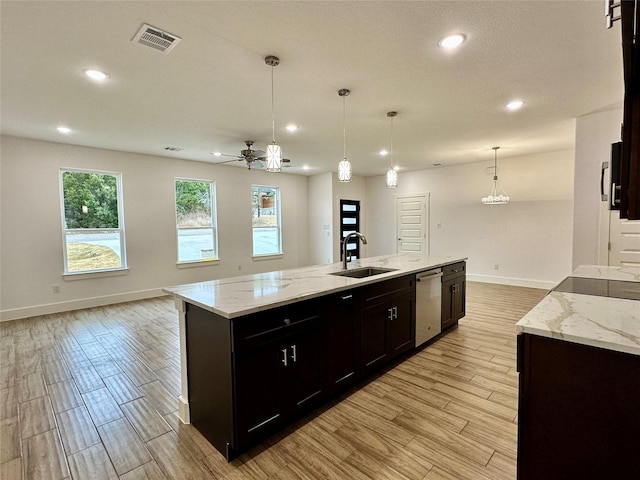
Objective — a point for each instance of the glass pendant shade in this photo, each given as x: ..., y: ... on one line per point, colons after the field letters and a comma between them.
x: 497, y: 196
x: 274, y: 158
x: 344, y: 170
x: 392, y: 178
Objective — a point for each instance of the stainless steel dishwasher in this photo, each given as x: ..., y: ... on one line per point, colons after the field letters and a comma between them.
x: 428, y: 305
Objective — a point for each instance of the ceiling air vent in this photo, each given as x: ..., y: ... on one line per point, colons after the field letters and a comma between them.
x: 155, y: 38
x: 173, y: 149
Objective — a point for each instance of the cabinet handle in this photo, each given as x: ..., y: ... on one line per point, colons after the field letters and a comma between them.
x: 395, y: 312
x: 294, y: 356
x: 287, y: 322
x: 284, y: 356
x: 346, y: 297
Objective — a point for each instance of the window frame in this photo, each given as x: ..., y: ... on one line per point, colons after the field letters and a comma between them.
x: 120, y: 230
x: 214, y: 223
x: 278, y: 204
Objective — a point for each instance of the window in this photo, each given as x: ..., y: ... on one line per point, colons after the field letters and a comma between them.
x: 265, y: 209
x: 196, y: 221
x: 92, y: 221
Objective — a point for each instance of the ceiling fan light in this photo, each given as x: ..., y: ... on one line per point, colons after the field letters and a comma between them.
x: 392, y: 178
x: 274, y: 158
x: 344, y: 170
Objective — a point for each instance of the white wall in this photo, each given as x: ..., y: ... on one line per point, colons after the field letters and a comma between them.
x: 529, y: 239
x: 594, y: 135
x: 320, y: 219
x: 31, y: 238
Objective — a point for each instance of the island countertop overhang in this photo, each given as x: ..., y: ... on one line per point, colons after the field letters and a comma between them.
x: 598, y: 321
x: 242, y: 295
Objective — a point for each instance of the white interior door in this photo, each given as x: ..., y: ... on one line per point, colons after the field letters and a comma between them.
x: 412, y: 223
x: 624, y: 241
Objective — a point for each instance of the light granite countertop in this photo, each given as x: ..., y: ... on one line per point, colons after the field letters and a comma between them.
x: 605, y: 322
x: 237, y: 296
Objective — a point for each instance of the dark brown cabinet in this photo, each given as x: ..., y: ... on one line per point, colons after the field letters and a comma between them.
x: 250, y: 376
x: 453, y: 294
x: 577, y: 411
x: 388, y: 321
x: 279, y: 369
x: 343, y: 318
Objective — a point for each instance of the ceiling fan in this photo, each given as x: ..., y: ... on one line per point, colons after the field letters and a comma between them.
x: 253, y: 158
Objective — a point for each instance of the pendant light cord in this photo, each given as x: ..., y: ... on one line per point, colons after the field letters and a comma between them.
x: 391, y: 149
x: 344, y: 127
x: 273, y: 122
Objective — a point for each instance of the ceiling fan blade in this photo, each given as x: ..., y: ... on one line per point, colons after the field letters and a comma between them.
x: 237, y: 159
x: 257, y: 164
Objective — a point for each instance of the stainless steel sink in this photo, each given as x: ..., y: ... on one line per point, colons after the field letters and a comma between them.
x: 363, y: 272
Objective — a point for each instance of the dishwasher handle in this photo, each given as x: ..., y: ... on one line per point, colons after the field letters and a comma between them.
x: 428, y: 275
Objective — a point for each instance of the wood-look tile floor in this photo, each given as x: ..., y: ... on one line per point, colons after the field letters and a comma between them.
x: 92, y: 395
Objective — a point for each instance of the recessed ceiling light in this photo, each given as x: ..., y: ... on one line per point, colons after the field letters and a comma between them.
x: 452, y: 41
x: 396, y: 168
x: 305, y: 167
x: 65, y: 130
x: 292, y: 128
x: 216, y: 154
x: 515, y: 105
x: 383, y: 152
x: 96, y: 75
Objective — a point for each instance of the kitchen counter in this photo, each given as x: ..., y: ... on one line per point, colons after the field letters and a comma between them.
x: 223, y: 301
x: 598, y: 321
x: 579, y: 378
x: 237, y: 296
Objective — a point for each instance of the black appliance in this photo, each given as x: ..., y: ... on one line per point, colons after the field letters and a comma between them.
x: 612, y: 195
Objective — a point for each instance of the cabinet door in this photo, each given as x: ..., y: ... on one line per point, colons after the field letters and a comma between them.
x: 258, y: 387
x: 448, y: 307
x: 305, y: 375
x: 401, y: 325
x: 373, y: 336
x: 459, y: 299
x: 344, y: 339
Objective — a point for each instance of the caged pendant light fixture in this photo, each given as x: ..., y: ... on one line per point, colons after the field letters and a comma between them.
x: 392, y: 174
x: 497, y: 196
x: 274, y: 151
x: 344, y: 167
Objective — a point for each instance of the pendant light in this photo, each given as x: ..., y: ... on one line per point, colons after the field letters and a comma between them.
x: 497, y: 196
x: 392, y: 174
x: 274, y: 152
x: 344, y: 167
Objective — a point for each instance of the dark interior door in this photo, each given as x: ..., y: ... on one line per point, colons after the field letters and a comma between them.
x: 350, y: 222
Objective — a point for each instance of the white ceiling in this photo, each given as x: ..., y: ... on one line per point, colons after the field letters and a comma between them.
x: 213, y: 91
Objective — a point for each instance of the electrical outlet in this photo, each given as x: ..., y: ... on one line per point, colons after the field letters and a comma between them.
x: 55, y: 288
x: 496, y: 266
x: 439, y: 225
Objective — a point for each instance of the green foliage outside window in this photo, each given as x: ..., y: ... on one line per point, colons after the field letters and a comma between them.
x: 193, y: 203
x: 90, y: 200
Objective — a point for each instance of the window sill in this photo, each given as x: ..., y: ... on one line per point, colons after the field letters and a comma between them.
x: 274, y: 256
x: 198, y: 263
x: 94, y: 274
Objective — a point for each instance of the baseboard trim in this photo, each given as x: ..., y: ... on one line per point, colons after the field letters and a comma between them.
x: 515, y: 282
x: 18, y: 313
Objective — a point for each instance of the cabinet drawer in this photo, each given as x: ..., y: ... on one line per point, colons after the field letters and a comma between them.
x: 261, y: 327
x: 454, y: 270
x: 380, y: 292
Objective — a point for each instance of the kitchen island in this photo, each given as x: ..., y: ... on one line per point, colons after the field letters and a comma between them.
x: 579, y: 378
x: 258, y: 351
